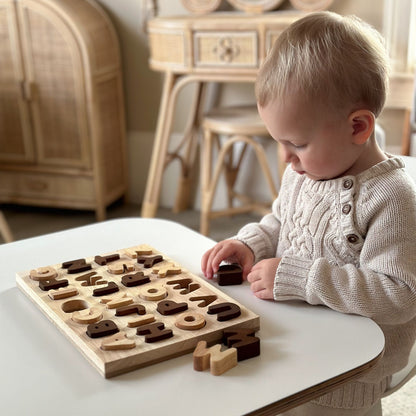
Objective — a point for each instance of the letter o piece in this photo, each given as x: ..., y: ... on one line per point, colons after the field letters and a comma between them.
x: 190, y: 321
x: 153, y: 293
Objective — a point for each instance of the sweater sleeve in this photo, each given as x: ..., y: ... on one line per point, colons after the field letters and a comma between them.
x: 381, y: 285
x: 263, y: 237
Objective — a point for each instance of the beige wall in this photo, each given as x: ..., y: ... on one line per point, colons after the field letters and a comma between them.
x: 143, y: 86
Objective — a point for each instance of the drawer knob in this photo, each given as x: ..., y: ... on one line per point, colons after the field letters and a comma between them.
x: 226, y: 50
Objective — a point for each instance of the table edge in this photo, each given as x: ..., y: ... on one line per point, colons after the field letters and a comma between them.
x: 315, y: 391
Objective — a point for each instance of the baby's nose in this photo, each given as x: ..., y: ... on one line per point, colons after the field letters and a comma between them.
x: 287, y: 155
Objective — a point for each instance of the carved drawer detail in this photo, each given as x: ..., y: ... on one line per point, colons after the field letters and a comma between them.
x: 226, y: 49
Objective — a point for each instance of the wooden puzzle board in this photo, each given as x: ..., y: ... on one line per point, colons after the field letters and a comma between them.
x: 197, y: 295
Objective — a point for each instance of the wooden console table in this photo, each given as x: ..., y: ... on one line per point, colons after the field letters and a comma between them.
x: 218, y: 47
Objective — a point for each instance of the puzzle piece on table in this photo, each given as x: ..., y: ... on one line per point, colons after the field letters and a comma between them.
x: 87, y: 316
x: 120, y: 267
x: 76, y: 266
x: 106, y: 290
x: 130, y: 310
x: 229, y: 274
x: 43, y: 273
x: 102, y: 329
x: 91, y: 279
x: 52, y: 284
x: 149, y: 261
x: 117, y: 301
x: 63, y: 293
x: 118, y: 341
x: 206, y: 300
x: 103, y: 260
x: 154, y: 332
x: 225, y: 311
x: 244, y: 340
x: 167, y: 270
x: 170, y: 307
x: 136, y: 279
x: 213, y: 358
x: 190, y: 321
x: 187, y: 285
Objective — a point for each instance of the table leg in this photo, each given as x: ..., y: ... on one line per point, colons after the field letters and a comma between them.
x: 157, y: 163
x: 183, y: 194
x: 160, y: 155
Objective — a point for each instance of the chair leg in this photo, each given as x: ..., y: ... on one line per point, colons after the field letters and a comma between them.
x: 232, y: 169
x: 206, y: 169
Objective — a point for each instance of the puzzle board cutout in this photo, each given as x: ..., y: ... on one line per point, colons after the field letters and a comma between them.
x: 166, y: 294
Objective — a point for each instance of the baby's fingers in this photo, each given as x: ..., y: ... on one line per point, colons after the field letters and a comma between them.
x: 211, y: 260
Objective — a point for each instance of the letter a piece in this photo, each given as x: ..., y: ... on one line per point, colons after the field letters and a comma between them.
x: 213, y: 358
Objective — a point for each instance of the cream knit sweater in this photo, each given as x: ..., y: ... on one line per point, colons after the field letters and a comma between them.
x: 348, y: 243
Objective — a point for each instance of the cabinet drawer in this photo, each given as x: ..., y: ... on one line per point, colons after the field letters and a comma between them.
x: 231, y: 49
x: 33, y: 187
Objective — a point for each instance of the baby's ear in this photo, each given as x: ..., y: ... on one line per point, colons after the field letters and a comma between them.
x: 362, y: 123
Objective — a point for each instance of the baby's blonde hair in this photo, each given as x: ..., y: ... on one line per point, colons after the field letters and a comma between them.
x: 336, y: 60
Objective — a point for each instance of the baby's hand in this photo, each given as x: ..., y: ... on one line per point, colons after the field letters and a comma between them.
x: 233, y: 251
x: 262, y: 277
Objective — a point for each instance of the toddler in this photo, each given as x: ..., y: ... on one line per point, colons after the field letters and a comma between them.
x: 342, y: 232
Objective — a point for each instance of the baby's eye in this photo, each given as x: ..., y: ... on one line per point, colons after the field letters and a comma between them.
x: 298, y: 146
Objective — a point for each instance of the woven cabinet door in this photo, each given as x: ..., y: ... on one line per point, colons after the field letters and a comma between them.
x: 15, y: 130
x: 55, y: 89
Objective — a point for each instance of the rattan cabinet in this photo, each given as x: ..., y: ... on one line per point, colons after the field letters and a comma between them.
x: 62, y: 132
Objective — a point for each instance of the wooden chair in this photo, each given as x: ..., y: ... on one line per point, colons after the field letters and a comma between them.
x: 223, y: 128
x: 5, y: 229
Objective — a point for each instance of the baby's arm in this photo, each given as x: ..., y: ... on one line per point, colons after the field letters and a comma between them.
x: 382, y: 284
x: 262, y: 277
x: 254, y: 243
x: 233, y: 251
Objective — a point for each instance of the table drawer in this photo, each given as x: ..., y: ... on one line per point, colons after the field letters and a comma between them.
x: 168, y: 48
x: 59, y: 190
x: 225, y: 48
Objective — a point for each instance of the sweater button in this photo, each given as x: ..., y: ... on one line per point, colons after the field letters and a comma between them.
x: 348, y: 183
x: 346, y: 209
x: 352, y: 238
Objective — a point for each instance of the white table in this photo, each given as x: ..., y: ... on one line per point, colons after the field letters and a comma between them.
x: 305, y: 350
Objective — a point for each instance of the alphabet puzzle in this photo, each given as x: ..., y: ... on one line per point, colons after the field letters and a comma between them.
x: 133, y: 307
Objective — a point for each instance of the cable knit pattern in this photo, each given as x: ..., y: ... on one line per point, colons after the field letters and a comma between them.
x: 348, y: 243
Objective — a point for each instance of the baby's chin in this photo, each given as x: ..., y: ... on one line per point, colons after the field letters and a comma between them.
x: 314, y: 177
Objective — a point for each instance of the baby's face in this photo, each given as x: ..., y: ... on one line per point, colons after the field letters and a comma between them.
x: 316, y: 143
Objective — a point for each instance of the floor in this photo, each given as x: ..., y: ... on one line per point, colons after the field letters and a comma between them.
x: 26, y: 222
